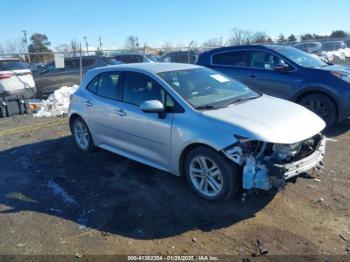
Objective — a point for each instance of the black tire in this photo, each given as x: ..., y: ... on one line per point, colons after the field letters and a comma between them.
x: 90, y: 146
x: 230, y: 173
x: 321, y: 105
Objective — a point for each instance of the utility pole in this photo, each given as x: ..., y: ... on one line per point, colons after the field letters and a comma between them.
x: 86, y: 44
x: 100, y: 42
x: 26, y: 43
x: 189, y: 52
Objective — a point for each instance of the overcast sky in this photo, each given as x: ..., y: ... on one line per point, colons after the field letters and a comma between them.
x: 158, y: 21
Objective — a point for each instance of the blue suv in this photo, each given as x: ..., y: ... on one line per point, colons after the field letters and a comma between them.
x: 288, y: 73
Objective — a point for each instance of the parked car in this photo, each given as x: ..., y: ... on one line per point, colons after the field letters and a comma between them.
x: 180, y: 57
x: 132, y: 57
x: 51, y: 78
x: 16, y: 79
x: 37, y: 67
x: 309, y: 47
x: 332, y: 46
x: 193, y: 121
x: 347, y: 42
x: 287, y: 73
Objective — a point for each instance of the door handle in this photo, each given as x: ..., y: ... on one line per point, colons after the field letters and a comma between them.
x: 120, y: 112
x: 88, y: 103
x: 252, y: 75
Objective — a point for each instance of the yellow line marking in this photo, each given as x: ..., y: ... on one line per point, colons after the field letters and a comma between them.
x: 33, y: 127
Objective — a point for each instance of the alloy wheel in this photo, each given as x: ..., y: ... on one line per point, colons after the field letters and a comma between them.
x: 81, y: 135
x: 206, y: 176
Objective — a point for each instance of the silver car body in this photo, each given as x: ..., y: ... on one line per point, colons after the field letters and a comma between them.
x: 161, y: 142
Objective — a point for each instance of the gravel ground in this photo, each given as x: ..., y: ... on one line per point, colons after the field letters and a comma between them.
x: 55, y: 199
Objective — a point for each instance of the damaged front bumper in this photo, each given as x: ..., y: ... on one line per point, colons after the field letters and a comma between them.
x: 295, y: 168
x: 262, y: 172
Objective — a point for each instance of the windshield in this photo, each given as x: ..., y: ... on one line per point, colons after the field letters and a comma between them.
x: 299, y: 57
x: 202, y: 87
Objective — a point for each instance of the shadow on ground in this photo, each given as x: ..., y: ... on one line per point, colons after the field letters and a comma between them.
x: 339, y: 128
x: 110, y: 193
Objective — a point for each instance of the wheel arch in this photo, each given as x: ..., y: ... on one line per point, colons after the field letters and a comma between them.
x: 321, y: 91
x: 187, y: 150
x: 72, y: 118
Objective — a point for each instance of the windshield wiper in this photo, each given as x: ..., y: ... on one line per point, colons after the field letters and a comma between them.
x: 241, y: 99
x: 208, y: 107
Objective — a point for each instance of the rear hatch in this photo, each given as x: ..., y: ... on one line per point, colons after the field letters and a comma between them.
x: 20, y: 70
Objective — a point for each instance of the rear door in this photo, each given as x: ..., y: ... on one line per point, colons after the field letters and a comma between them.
x: 102, y: 106
x: 232, y: 63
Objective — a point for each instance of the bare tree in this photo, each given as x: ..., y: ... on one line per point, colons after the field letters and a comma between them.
x: 213, y: 42
x: 168, y: 46
x: 260, y: 37
x: 15, y: 46
x: 74, y: 46
x: 132, y: 42
x: 63, y: 48
x: 239, y: 37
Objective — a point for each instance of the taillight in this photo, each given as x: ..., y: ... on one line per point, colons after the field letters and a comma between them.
x: 5, y: 75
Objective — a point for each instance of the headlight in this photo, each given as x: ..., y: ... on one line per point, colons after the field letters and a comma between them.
x: 344, y: 77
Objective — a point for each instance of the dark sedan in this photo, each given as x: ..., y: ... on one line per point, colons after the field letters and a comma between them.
x: 50, y: 78
x: 288, y: 73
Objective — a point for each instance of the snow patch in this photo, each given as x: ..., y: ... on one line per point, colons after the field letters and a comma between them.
x: 340, y: 54
x: 59, y: 191
x: 57, y: 103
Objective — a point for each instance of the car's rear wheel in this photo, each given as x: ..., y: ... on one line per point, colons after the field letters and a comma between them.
x: 210, y: 174
x: 321, y: 105
x: 82, y: 136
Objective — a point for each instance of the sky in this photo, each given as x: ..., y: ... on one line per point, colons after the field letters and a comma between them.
x: 159, y: 21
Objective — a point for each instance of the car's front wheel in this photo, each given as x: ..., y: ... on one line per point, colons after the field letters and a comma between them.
x: 82, y: 136
x: 321, y: 105
x: 210, y: 174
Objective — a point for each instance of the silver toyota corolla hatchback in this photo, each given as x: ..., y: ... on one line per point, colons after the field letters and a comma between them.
x: 193, y: 121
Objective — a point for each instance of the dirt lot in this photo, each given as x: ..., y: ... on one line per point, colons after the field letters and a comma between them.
x: 57, y: 200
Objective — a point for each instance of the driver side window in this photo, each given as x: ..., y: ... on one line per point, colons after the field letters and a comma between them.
x: 265, y: 60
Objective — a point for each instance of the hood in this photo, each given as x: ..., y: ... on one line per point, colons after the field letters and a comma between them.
x: 267, y: 119
x: 337, y: 69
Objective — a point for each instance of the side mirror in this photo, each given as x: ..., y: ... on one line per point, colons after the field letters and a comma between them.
x: 282, y: 68
x: 152, y: 106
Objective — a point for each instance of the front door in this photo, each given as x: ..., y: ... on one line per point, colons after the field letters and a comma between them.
x: 263, y: 77
x: 148, y: 134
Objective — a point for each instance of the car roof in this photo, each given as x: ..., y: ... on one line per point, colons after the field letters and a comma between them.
x: 126, y: 53
x: 153, y: 68
x: 236, y: 47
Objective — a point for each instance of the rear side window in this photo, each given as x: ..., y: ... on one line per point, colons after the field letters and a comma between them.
x: 183, y: 58
x: 88, y: 62
x: 105, y: 85
x: 129, y: 58
x: 233, y: 58
x: 72, y: 64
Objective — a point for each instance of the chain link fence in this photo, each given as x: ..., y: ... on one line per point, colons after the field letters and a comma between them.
x: 40, y: 74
